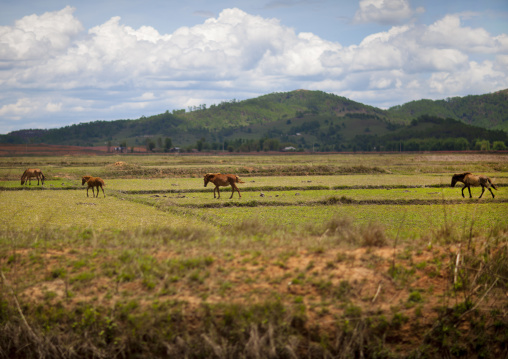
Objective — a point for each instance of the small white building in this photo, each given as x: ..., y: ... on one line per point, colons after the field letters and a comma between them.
x: 289, y: 148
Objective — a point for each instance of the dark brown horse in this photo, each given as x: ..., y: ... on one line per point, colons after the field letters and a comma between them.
x: 223, y: 180
x: 32, y: 172
x: 470, y: 179
x: 93, y: 182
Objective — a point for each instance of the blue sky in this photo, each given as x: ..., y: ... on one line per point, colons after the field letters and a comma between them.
x: 65, y: 62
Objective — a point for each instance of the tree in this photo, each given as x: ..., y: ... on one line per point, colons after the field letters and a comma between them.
x: 167, y: 144
x: 498, y: 146
x: 150, y: 145
x: 483, y: 145
x: 271, y: 145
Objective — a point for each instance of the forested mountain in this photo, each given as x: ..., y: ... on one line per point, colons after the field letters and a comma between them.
x: 488, y: 111
x: 305, y: 120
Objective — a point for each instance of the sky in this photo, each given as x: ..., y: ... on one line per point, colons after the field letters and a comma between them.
x: 64, y: 62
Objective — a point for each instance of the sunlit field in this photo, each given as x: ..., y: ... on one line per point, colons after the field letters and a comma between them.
x: 364, y: 251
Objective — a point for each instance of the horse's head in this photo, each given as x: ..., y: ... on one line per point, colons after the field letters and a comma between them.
x: 84, y: 180
x: 22, y: 181
x: 207, y: 178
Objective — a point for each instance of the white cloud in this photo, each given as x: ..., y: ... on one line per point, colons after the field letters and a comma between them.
x: 14, y: 111
x: 449, y: 33
x: 385, y: 11
x: 147, y: 96
x: 35, y: 37
x: 480, y: 76
x: 54, y: 107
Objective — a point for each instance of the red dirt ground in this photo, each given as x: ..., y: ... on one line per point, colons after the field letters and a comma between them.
x: 42, y: 149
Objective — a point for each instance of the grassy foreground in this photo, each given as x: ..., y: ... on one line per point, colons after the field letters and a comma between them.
x: 383, y: 261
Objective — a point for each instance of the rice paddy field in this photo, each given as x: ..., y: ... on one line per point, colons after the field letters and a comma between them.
x: 332, y: 255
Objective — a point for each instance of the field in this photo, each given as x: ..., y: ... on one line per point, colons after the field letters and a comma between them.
x: 343, y: 255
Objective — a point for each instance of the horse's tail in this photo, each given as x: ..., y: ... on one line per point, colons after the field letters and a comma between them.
x: 238, y: 180
x: 492, y: 184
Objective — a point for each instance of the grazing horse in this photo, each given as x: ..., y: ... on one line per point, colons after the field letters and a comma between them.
x: 93, y: 182
x: 32, y: 172
x: 223, y: 180
x: 470, y: 179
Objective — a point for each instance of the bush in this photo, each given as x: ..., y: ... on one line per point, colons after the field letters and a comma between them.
x: 499, y: 146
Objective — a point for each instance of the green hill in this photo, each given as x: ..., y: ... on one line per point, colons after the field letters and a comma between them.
x: 305, y: 120
x: 488, y: 111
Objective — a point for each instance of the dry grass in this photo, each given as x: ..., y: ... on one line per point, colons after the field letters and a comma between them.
x: 350, y: 289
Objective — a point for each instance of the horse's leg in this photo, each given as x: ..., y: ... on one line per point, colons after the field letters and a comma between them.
x: 218, y: 192
x: 483, y: 190
x: 102, y: 192
x: 235, y: 187
x: 232, y: 190
x: 463, y: 188
x: 492, y: 193
x: 87, y: 191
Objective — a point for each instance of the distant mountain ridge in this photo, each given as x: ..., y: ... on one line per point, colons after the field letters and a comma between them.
x: 487, y: 111
x: 301, y: 119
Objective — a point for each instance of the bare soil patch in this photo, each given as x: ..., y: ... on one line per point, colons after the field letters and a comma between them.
x: 42, y: 149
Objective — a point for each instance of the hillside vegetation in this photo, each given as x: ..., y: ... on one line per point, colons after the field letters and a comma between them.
x: 304, y: 120
x: 487, y: 111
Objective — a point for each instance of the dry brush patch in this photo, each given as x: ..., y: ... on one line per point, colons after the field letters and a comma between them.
x: 152, y: 293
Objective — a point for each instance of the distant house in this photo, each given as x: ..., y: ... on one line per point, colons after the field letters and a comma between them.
x: 175, y: 149
x: 289, y: 149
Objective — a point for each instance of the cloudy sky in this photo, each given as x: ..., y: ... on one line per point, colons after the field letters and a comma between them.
x: 67, y: 61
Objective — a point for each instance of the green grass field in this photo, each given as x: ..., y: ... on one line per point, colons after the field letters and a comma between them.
x: 420, y: 208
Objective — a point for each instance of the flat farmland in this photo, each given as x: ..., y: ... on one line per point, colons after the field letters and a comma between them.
x: 368, y: 253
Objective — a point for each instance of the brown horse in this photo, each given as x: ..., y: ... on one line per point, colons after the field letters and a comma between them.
x: 93, y: 182
x: 470, y: 179
x: 32, y: 172
x: 223, y: 180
